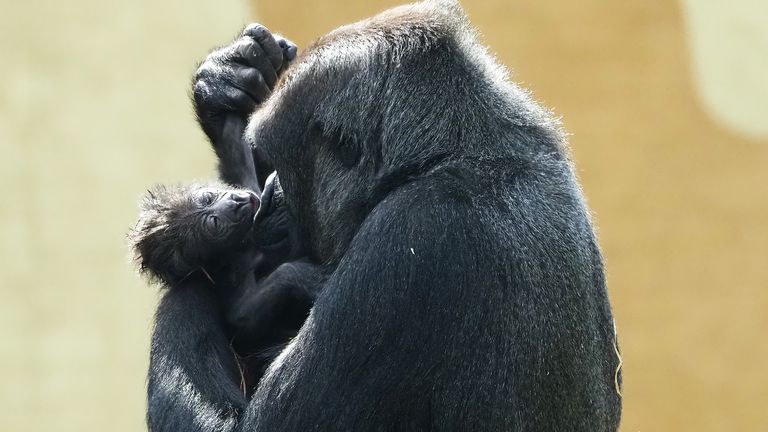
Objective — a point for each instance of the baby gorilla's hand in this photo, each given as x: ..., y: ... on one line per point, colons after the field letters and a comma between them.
x: 274, y: 309
x: 234, y: 79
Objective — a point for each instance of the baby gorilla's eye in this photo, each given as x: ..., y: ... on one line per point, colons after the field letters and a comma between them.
x: 213, y: 223
x: 204, y: 199
x: 210, y: 197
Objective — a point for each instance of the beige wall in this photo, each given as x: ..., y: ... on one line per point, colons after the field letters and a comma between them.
x: 93, y: 109
x: 681, y: 200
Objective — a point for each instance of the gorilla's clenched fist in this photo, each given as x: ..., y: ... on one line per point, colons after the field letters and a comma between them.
x: 230, y: 83
x: 236, y: 78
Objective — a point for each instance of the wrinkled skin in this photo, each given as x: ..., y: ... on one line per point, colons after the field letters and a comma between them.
x: 463, y: 287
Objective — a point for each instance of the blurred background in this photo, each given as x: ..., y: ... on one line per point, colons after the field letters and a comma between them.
x: 667, y: 106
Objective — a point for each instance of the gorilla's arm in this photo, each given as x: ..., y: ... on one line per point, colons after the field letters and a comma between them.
x: 370, y: 335
x: 228, y: 86
x: 264, y: 312
x: 365, y: 357
x: 435, y: 319
x: 194, y: 381
x: 279, y: 302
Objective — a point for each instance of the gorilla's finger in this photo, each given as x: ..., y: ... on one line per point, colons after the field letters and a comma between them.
x: 251, y: 81
x: 219, y: 99
x: 250, y: 53
x: 238, y: 99
x: 207, y: 69
x: 289, y: 48
x: 264, y: 37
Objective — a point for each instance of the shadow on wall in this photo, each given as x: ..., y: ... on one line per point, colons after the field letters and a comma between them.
x: 729, y: 51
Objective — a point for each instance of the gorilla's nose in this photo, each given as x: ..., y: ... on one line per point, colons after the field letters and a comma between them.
x: 244, y: 198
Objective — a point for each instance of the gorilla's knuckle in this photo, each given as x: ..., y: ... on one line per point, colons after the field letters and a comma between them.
x: 201, y: 90
x: 255, y: 30
x: 242, y: 44
x: 215, y: 56
x: 205, y: 71
x: 248, y: 74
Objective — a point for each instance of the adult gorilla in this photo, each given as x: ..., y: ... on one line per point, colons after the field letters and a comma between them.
x: 464, y: 289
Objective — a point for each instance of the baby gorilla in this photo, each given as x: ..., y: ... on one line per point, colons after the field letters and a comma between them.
x: 220, y: 233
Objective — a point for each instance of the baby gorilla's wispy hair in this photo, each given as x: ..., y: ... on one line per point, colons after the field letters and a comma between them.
x: 159, y: 239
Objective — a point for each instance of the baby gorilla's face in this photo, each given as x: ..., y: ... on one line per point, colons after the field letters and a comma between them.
x: 186, y: 227
x: 223, y: 215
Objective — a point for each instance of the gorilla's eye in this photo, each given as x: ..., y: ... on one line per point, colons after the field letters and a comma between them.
x: 213, y: 223
x: 206, y: 198
x: 346, y: 150
x: 343, y: 146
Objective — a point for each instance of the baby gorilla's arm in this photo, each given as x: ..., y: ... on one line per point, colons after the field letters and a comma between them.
x: 270, y: 311
x: 265, y: 315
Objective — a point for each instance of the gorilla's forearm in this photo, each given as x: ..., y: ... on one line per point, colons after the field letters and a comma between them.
x: 236, y: 164
x: 194, y: 381
x: 281, y: 301
x: 266, y: 314
x: 228, y: 86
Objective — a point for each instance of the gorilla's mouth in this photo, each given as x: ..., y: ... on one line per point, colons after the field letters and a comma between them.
x: 265, y: 207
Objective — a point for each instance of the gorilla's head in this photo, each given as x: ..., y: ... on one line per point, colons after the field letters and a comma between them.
x: 184, y: 228
x: 367, y: 108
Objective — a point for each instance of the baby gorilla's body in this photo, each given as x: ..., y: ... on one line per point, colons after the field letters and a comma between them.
x: 207, y: 231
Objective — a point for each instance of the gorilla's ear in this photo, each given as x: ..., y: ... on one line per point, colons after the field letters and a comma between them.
x: 165, y: 263
x: 156, y: 252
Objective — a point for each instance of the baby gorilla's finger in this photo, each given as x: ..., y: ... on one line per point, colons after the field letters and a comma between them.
x: 251, y: 81
x: 248, y: 52
x: 264, y: 37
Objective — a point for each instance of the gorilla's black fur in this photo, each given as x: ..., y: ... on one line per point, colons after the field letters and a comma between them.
x: 465, y: 287
x: 211, y: 232
x: 196, y: 227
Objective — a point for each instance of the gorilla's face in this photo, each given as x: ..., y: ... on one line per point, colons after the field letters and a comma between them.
x: 223, y: 216
x: 323, y: 157
x: 181, y: 229
x: 356, y: 117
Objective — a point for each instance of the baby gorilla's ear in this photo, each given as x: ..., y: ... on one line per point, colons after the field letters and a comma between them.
x: 160, y: 260
x: 156, y: 239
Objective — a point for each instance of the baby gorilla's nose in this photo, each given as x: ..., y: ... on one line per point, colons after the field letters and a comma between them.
x: 239, y: 197
x: 244, y: 199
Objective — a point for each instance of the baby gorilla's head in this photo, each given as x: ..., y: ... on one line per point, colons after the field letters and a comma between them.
x: 186, y: 228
